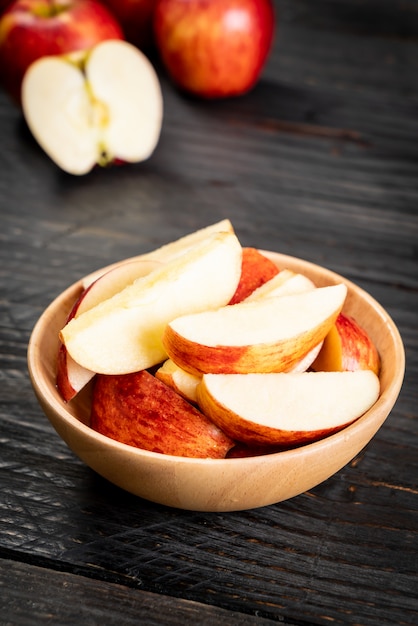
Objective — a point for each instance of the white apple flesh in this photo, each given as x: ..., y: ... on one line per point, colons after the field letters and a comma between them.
x: 267, y: 335
x: 286, y: 409
x: 307, y: 360
x: 178, y: 379
x: 178, y: 247
x: 101, y: 285
x: 94, y: 107
x: 123, y: 334
x: 72, y: 377
x: 285, y: 283
x: 168, y: 251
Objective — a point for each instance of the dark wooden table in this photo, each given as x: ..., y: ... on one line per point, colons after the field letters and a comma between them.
x: 319, y: 161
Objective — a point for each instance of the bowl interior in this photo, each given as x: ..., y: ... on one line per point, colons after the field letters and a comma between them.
x: 216, y: 485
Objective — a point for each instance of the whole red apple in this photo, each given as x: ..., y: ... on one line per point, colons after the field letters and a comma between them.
x: 30, y: 29
x: 136, y: 19
x: 214, y: 49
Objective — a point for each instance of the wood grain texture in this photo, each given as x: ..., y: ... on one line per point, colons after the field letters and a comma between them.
x: 320, y: 161
x: 53, y: 593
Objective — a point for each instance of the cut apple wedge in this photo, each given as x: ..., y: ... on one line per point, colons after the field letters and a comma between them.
x: 94, y: 107
x: 286, y: 409
x: 110, y: 282
x: 257, y: 269
x: 285, y: 283
x: 267, y: 335
x: 175, y: 248
x: 178, y: 379
x: 306, y: 361
x: 72, y: 377
x: 124, y: 333
x: 347, y: 346
x: 139, y: 410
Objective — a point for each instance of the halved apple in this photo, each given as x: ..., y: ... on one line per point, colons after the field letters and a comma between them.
x: 94, y: 106
x: 124, y: 333
x: 286, y: 409
x: 72, y: 377
x: 347, y: 346
x: 178, y: 379
x: 267, y: 335
x: 139, y: 410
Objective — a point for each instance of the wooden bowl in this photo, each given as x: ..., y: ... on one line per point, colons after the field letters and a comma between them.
x: 227, y: 484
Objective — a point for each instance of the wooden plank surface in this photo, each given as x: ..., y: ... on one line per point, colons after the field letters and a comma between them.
x: 319, y: 161
x: 40, y: 595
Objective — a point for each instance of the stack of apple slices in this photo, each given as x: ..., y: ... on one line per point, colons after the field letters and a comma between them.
x: 202, y: 344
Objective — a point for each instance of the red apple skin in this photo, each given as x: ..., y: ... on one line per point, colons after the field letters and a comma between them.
x: 63, y: 376
x: 136, y: 18
x: 100, y: 289
x: 347, y: 347
x: 257, y: 269
x: 31, y: 29
x: 141, y: 411
x: 214, y: 49
x: 255, y: 435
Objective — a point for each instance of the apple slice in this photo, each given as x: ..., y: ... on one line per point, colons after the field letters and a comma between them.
x: 124, y: 333
x: 110, y: 282
x: 94, y: 107
x: 286, y: 409
x: 178, y: 379
x: 267, y: 335
x: 173, y: 249
x: 347, y: 346
x: 257, y: 269
x: 72, y: 377
x: 307, y: 360
x: 285, y: 283
x: 139, y: 410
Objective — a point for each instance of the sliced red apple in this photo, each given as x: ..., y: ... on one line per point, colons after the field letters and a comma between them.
x: 94, y: 107
x: 72, y: 377
x: 257, y: 269
x: 285, y: 283
x: 124, y: 333
x: 267, y: 335
x: 286, y: 409
x: 139, y: 410
x: 306, y: 361
x: 347, y: 346
x: 173, y: 249
x: 178, y: 379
